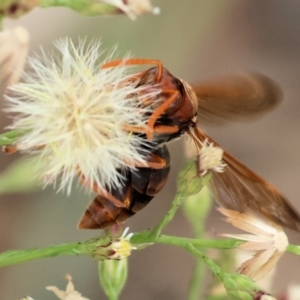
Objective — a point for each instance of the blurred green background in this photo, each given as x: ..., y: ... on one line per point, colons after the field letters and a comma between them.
x: 195, y: 39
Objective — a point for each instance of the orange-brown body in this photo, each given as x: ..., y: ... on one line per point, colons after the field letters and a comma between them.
x: 139, y: 188
x: 181, y: 113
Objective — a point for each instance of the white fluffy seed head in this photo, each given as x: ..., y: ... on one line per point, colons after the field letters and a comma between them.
x: 75, y: 113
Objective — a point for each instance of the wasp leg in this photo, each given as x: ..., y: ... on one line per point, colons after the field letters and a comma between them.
x: 164, y: 129
x: 12, y: 149
x: 9, y: 149
x: 136, y: 61
x: 161, y: 129
x: 137, y: 129
x: 160, y: 110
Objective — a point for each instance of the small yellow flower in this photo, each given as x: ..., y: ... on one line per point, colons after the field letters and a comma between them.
x: 268, y: 240
x: 26, y: 298
x: 210, y: 158
x: 121, y: 247
x: 69, y: 294
x: 110, y: 248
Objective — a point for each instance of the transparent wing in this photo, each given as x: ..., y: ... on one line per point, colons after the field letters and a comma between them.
x: 236, y: 97
x: 240, y: 189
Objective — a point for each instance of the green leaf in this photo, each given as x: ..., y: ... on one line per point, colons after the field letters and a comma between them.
x: 11, y: 137
x: 188, y: 182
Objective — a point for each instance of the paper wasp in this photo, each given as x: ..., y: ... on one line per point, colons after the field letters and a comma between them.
x: 176, y: 112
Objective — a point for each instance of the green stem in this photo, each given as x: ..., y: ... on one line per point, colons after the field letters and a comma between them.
x: 145, y: 238
x: 196, y: 209
x: 188, y: 184
x: 196, y: 280
x: 295, y: 249
x: 156, y: 231
x: 86, y: 7
x: 20, y: 256
x: 67, y: 3
x: 202, y: 243
x: 237, y: 286
x: 208, y: 261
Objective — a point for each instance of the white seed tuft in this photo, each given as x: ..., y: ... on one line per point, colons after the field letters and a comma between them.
x: 75, y: 113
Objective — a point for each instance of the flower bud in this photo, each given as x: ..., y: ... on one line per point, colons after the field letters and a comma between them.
x: 112, y: 275
x: 240, y: 287
x: 189, y: 182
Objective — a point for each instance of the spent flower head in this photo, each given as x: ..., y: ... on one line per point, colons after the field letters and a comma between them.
x: 17, y: 8
x: 113, y: 275
x: 76, y: 116
x: 268, y: 240
x: 69, y: 293
x: 134, y: 8
x: 13, y: 52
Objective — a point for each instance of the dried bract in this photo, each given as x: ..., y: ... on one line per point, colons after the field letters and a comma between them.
x: 13, y: 52
x: 69, y: 294
x: 267, y: 240
x: 134, y: 8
